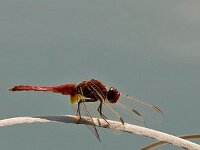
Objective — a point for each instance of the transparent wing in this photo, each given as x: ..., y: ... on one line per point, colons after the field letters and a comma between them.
x: 155, y: 108
x: 123, y: 112
x: 92, y: 128
x: 141, y: 108
x: 137, y: 111
x: 112, y: 114
x: 149, y: 113
x: 115, y: 113
x: 86, y: 113
x: 130, y: 114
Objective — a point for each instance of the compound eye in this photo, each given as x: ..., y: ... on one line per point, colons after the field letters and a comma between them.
x: 113, y: 95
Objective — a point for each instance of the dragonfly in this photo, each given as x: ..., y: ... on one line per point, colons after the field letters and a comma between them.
x: 91, y: 91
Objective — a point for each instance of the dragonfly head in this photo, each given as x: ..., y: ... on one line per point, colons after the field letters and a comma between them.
x: 113, y: 95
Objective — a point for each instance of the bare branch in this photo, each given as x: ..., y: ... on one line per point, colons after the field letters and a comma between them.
x: 101, y: 123
x: 161, y: 143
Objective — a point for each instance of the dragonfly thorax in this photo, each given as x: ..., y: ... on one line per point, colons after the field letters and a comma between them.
x: 92, y: 89
x: 95, y: 90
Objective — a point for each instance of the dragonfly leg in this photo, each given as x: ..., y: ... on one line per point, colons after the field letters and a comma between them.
x: 78, y: 113
x: 78, y: 109
x: 99, y: 109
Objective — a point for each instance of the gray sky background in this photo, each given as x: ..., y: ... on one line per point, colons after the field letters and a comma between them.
x: 150, y: 49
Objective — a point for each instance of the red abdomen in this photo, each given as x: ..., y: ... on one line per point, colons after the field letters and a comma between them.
x: 66, y: 89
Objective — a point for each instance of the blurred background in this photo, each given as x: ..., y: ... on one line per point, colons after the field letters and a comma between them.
x: 149, y: 49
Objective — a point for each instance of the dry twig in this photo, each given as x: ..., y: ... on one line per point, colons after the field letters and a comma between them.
x: 101, y: 123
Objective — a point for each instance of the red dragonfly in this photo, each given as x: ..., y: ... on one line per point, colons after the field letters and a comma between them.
x: 91, y: 91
